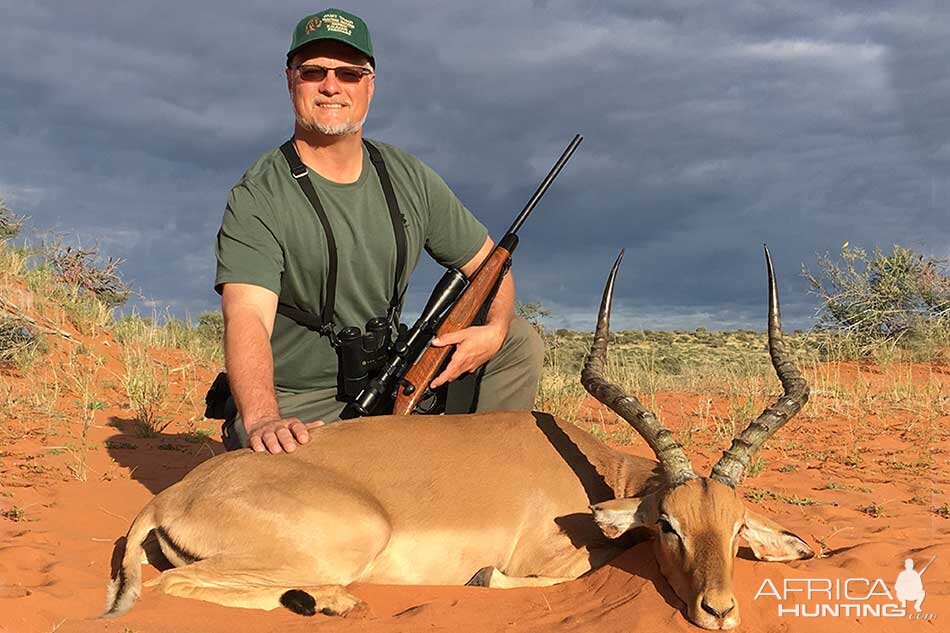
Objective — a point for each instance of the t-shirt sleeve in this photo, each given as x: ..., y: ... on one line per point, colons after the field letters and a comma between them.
x: 247, y: 248
x: 454, y: 235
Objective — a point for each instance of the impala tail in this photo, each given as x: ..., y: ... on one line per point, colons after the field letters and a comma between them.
x: 126, y: 583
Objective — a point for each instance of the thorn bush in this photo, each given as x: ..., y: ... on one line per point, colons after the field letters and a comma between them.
x: 872, y: 300
x: 80, y: 268
x: 10, y: 223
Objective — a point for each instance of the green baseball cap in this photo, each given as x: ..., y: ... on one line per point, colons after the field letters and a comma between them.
x: 333, y: 24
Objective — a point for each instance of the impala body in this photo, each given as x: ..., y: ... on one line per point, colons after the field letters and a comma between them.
x: 417, y: 506
x: 496, y: 499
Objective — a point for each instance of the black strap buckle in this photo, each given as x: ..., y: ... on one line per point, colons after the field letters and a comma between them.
x: 329, y: 331
x: 298, y: 171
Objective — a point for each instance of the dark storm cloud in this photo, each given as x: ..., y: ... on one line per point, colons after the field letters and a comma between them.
x: 710, y: 128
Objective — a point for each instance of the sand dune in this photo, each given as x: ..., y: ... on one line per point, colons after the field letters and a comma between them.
x: 865, y: 484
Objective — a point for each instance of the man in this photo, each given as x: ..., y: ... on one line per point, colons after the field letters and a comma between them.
x: 285, y: 257
x: 909, y: 586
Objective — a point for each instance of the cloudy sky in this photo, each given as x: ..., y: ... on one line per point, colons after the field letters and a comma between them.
x: 710, y: 128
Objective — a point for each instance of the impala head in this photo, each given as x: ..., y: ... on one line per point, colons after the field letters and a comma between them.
x: 699, y: 521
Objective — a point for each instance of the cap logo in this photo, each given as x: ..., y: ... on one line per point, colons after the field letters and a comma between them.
x: 338, y: 24
x: 312, y: 25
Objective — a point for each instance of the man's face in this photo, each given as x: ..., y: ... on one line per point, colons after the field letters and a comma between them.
x: 330, y: 106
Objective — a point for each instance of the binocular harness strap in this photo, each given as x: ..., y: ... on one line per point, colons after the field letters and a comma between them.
x: 395, y: 215
x: 323, y: 323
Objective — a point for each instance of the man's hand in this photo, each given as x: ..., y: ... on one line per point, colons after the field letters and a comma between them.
x: 277, y: 435
x: 474, y: 346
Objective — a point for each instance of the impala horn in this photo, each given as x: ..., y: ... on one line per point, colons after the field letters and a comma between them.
x: 732, y: 464
x: 670, y: 454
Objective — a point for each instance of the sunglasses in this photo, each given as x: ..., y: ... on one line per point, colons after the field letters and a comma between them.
x: 344, y: 74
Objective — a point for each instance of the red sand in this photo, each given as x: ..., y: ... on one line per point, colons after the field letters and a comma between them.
x: 55, y: 560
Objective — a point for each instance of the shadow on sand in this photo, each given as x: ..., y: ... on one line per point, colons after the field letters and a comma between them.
x: 160, y: 460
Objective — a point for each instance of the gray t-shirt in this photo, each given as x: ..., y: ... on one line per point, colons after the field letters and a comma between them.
x: 271, y: 237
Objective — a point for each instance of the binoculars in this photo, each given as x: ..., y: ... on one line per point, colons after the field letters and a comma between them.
x: 361, y: 356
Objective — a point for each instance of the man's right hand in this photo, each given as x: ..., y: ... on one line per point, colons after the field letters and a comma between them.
x: 278, y: 435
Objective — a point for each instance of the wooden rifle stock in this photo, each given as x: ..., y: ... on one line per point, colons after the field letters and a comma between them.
x: 461, y: 316
x: 480, y: 290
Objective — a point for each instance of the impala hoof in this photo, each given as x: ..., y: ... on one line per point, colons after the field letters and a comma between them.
x: 482, y: 578
x: 300, y: 602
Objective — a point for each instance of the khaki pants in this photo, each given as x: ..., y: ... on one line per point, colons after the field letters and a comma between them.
x: 507, y: 382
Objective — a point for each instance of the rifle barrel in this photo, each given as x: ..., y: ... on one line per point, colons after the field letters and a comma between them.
x: 566, y: 156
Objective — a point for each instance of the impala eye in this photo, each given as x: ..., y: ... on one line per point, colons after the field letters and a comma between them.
x: 665, y: 527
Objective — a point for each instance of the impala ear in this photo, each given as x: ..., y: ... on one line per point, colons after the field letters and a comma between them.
x: 770, y: 541
x: 617, y: 516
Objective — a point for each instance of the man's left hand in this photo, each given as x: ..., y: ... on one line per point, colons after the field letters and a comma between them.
x: 474, y: 346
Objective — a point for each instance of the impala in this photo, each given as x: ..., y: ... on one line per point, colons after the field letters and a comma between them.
x: 500, y: 500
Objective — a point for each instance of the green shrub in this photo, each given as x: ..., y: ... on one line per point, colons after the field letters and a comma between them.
x: 211, y: 326
x: 534, y: 313
x: 883, y: 300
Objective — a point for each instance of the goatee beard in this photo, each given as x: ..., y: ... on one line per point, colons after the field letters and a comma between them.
x: 337, y: 129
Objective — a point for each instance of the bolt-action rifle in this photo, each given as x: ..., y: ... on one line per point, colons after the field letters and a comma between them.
x: 454, y: 304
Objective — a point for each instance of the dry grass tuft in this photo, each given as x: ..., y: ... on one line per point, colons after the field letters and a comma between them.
x: 146, y: 384
x: 20, y: 344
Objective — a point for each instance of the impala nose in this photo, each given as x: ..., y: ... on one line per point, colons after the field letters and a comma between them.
x: 721, y: 612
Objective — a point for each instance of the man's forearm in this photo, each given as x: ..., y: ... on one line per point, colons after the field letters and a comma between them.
x: 250, y: 366
x: 503, y: 307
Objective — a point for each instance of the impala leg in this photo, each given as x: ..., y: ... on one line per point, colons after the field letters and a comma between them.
x: 492, y: 577
x: 241, y: 584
